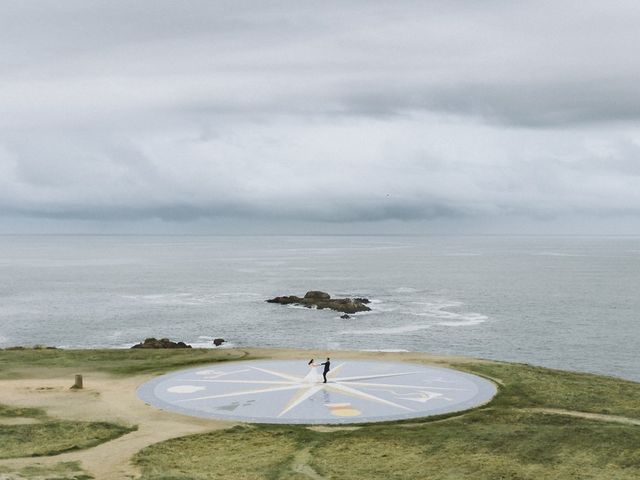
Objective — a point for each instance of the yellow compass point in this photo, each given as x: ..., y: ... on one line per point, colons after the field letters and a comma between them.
x: 343, y: 410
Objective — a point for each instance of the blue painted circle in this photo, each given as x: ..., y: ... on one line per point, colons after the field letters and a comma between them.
x: 289, y: 391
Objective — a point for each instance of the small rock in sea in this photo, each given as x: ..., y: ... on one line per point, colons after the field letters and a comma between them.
x: 218, y: 341
x: 345, y: 316
x: 322, y: 300
x: 162, y: 343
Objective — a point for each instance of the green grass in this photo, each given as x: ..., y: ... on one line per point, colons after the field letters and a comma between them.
x: 7, y: 411
x: 483, y: 445
x: 526, y: 386
x: 237, y: 453
x: 510, y: 438
x: 52, y: 437
x: 28, y: 362
x: 59, y: 471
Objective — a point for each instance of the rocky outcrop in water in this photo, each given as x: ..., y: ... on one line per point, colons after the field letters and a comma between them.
x: 162, y: 343
x: 322, y: 300
x: 218, y: 341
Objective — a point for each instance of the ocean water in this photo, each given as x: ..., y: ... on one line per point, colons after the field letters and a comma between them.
x: 562, y: 302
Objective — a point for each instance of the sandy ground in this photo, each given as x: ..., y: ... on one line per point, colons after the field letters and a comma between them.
x: 104, y: 398
x: 114, y: 399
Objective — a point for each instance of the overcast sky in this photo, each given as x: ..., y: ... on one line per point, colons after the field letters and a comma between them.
x: 335, y: 116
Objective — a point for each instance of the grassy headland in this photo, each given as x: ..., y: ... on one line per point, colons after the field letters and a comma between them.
x: 543, y: 424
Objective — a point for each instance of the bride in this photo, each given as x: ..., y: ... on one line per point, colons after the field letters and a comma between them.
x: 313, y: 376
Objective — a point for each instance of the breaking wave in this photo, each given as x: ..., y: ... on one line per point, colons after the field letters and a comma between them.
x: 190, y: 298
x: 431, y: 314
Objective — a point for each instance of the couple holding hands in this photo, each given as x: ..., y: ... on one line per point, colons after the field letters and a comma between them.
x: 314, y: 376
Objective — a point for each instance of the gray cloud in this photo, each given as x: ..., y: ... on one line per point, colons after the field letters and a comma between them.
x: 341, y: 112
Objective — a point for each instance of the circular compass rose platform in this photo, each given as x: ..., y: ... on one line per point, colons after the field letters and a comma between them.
x: 288, y: 391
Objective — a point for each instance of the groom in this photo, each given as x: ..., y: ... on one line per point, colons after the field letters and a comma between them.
x: 327, y: 366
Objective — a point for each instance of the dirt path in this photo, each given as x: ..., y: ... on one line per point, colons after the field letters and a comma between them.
x: 301, y: 465
x: 591, y: 416
x: 104, y: 398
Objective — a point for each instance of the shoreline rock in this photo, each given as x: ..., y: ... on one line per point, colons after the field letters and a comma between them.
x: 32, y: 347
x: 162, y: 343
x: 322, y: 300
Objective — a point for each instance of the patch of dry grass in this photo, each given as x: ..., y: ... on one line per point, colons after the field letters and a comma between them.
x: 52, y: 437
x: 485, y: 445
x: 241, y: 452
x: 526, y: 386
x: 59, y: 471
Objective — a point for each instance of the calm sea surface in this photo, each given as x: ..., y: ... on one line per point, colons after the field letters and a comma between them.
x: 571, y: 303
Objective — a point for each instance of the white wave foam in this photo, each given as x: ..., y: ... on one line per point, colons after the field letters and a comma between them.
x: 387, y: 350
x: 378, y: 306
x: 466, y: 322
x: 442, y: 313
x: 442, y: 310
x: 406, y: 290
x: 374, y: 311
x: 169, y: 299
x: 557, y: 254
x: 298, y: 307
x: 211, y: 345
x: 115, y: 335
x: 387, y: 331
x: 188, y: 298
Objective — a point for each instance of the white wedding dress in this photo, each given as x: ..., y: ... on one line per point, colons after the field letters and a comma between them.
x: 313, y: 376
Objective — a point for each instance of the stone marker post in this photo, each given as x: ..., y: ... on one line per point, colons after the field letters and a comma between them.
x: 78, y: 383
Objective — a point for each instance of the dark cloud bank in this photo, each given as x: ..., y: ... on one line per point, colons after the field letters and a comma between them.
x: 448, y: 116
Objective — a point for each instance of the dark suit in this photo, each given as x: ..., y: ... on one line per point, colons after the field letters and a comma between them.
x: 327, y: 366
